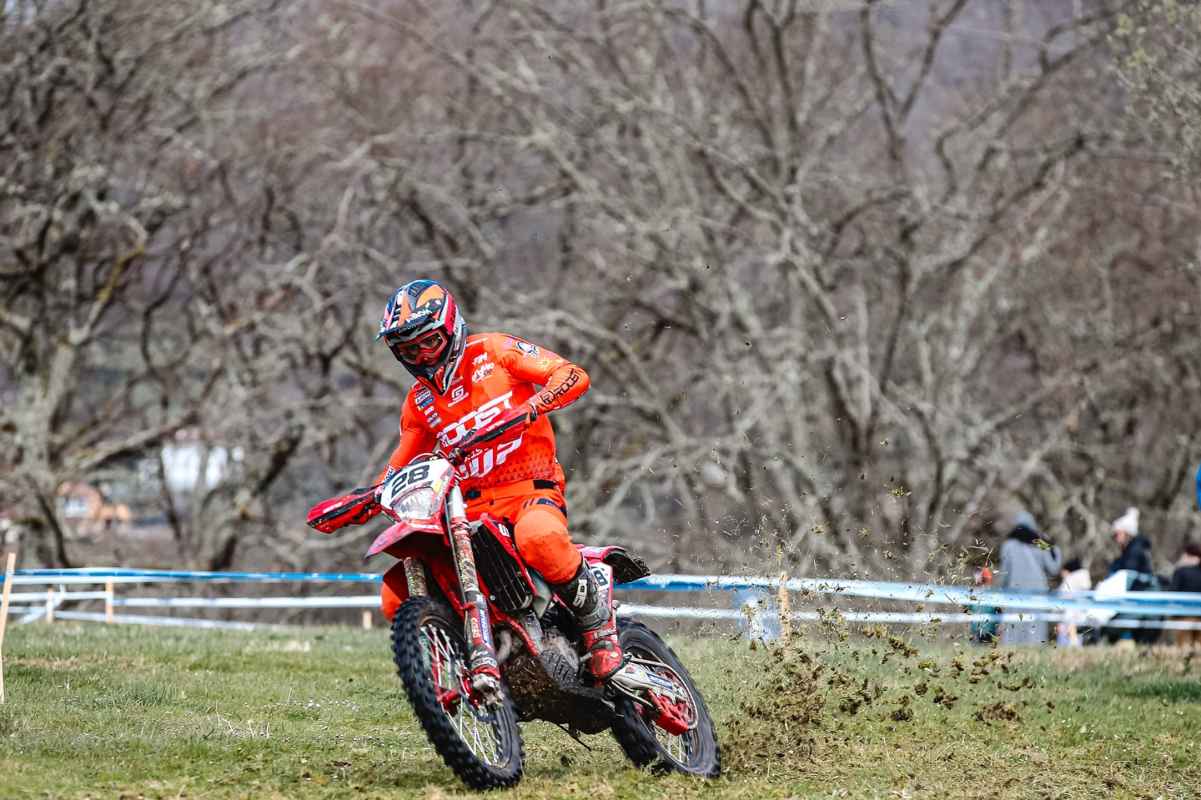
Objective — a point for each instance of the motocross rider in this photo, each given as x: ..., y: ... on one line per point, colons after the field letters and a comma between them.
x: 468, y: 383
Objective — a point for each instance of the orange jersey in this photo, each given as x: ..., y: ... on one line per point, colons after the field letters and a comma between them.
x: 496, y: 372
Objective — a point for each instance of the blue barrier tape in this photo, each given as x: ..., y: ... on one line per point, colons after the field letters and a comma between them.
x: 1151, y: 604
x: 166, y: 575
x: 1179, y: 604
x: 668, y: 583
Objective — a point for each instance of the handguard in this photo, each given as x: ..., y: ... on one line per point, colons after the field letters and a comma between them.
x: 353, y: 508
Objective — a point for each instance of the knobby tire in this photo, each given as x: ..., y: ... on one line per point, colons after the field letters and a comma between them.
x: 634, y: 733
x: 409, y: 654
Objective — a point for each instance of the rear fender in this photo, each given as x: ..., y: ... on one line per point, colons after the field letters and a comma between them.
x: 626, y: 566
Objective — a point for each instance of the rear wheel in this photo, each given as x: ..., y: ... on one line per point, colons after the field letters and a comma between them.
x: 673, y: 737
x: 481, y: 744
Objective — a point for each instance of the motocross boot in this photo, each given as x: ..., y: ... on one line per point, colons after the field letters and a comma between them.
x: 598, y: 624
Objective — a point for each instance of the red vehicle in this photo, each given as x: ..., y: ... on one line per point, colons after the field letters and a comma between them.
x: 482, y: 644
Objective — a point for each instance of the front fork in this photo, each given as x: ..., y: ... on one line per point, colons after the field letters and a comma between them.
x: 415, y: 577
x: 477, y: 627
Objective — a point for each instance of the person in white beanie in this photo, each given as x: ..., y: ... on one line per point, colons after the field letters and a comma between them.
x: 1135, y: 557
x: 1136, y: 548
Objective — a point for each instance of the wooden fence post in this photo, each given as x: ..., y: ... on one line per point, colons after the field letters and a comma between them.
x: 367, y: 619
x: 782, y: 603
x: 50, y: 604
x: 108, y: 601
x: 9, y: 565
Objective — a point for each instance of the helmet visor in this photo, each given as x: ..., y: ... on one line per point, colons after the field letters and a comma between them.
x: 424, y: 350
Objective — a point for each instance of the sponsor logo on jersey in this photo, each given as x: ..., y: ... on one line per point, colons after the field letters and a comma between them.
x: 481, y: 372
x: 548, y: 397
x: 474, y: 420
x: 525, y: 347
x: 481, y: 463
x: 482, y: 357
x: 424, y: 400
x: 457, y: 394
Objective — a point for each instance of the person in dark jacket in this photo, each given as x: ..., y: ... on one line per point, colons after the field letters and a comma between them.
x: 1136, y: 548
x: 1135, y: 556
x: 1187, y: 578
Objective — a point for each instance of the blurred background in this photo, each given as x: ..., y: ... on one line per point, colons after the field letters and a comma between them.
x: 853, y: 281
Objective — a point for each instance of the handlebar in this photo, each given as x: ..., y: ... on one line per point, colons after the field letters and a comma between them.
x: 457, y: 452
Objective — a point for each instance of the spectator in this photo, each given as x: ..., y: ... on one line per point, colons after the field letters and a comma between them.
x: 983, y: 631
x: 1136, y: 548
x: 1072, y: 578
x: 1028, y: 561
x: 1135, y: 556
x: 1187, y: 578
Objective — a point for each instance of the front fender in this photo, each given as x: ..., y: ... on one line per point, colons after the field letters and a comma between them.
x: 397, y: 533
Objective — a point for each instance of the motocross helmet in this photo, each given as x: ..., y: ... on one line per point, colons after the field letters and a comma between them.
x: 425, y: 332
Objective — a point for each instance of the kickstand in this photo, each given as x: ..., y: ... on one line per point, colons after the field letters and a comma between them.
x: 573, y: 735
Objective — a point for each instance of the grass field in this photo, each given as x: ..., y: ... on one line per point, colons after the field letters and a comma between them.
x: 127, y: 712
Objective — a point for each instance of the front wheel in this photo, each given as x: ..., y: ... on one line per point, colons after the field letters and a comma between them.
x: 693, y: 751
x: 481, y: 744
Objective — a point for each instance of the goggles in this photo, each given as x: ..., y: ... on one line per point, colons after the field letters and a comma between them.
x: 419, y: 349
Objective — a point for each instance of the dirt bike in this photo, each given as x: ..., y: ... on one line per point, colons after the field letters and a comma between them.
x: 482, y: 643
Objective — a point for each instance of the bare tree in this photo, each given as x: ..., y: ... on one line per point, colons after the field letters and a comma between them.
x: 126, y: 311
x: 846, y: 280
x: 819, y: 261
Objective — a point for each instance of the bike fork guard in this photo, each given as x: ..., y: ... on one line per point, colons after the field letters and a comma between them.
x: 477, y: 627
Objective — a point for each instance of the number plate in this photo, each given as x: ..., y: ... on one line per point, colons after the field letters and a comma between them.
x: 432, y: 473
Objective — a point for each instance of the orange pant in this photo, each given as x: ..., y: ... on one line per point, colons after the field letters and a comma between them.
x: 539, y: 529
